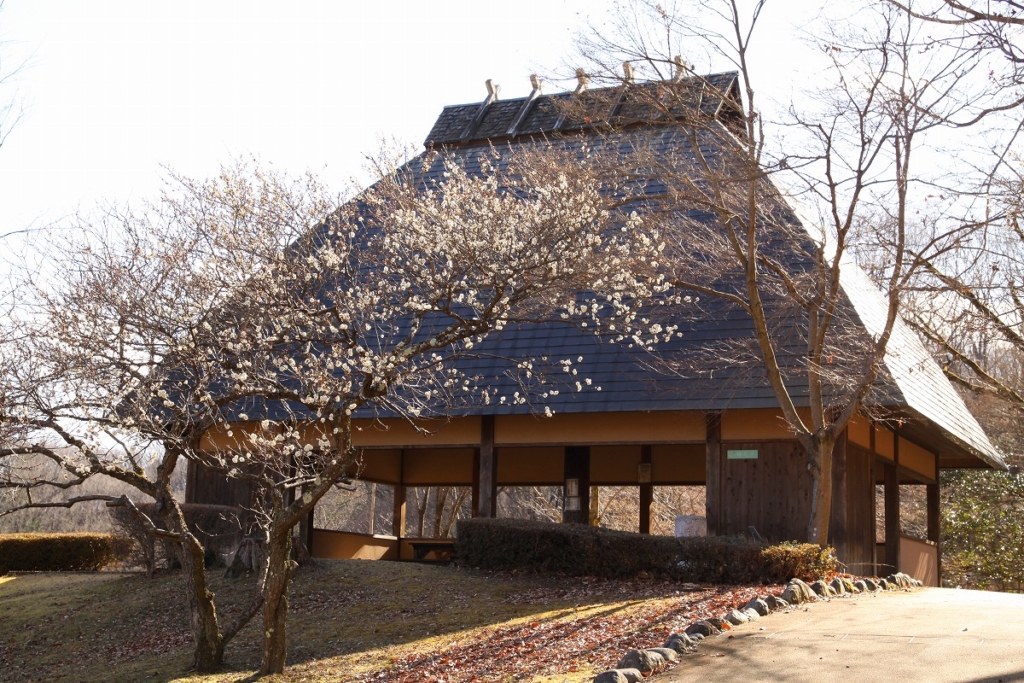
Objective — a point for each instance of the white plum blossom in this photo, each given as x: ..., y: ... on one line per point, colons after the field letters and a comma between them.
x: 258, y: 292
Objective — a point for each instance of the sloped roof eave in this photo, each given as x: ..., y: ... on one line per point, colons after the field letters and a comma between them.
x: 919, y: 385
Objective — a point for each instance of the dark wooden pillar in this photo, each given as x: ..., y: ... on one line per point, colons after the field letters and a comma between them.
x: 373, y: 506
x: 935, y: 521
x: 838, y: 526
x: 892, y: 510
x: 576, y: 508
x: 646, y: 489
x: 398, y: 511
x: 713, y: 472
x: 306, y: 531
x: 485, y: 472
x: 190, y: 481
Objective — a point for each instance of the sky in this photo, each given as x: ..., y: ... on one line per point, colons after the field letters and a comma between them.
x: 112, y: 92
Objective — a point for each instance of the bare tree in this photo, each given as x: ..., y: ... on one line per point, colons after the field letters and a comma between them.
x: 252, y: 310
x: 542, y: 503
x: 988, y: 25
x: 853, y: 154
x: 88, y: 351
x: 437, y: 508
x: 10, y: 110
x: 968, y: 304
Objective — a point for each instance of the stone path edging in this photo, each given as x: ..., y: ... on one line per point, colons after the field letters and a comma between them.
x: 635, y: 665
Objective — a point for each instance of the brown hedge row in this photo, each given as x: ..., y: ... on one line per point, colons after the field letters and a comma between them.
x: 60, y: 552
x: 579, y: 550
x: 804, y: 561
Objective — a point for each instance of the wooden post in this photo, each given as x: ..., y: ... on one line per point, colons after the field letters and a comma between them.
x: 485, y: 475
x: 373, y: 503
x: 713, y: 472
x: 874, y: 498
x: 935, y: 521
x: 306, y: 531
x: 892, y: 509
x: 838, y: 529
x: 474, y: 494
x: 646, y: 490
x: 398, y: 512
x: 576, y: 506
x: 190, y: 481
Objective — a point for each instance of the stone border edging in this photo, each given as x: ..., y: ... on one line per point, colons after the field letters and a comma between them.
x: 637, y: 664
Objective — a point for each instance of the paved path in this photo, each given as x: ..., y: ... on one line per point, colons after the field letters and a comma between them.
x: 930, y: 635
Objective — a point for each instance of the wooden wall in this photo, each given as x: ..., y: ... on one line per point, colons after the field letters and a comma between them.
x: 771, y: 492
x: 859, y: 551
x: 208, y: 486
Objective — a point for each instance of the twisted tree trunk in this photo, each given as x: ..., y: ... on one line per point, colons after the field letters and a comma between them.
x: 280, y: 570
x: 209, y: 643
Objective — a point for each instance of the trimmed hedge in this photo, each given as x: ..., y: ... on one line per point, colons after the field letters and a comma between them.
x: 579, y: 550
x: 60, y: 552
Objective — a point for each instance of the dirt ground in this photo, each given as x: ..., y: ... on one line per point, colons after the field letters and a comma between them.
x: 352, y: 621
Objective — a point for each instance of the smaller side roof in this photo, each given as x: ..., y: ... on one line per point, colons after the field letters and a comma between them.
x: 925, y: 391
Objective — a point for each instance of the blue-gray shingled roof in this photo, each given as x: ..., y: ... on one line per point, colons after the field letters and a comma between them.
x: 620, y: 377
x: 913, y: 385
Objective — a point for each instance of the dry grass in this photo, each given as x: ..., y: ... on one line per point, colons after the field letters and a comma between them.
x: 350, y: 620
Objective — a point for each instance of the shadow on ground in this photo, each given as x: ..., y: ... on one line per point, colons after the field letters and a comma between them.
x: 347, y: 618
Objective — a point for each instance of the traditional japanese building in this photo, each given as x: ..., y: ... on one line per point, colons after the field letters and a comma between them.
x: 631, y: 421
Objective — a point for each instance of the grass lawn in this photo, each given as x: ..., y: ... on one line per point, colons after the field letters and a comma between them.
x: 349, y: 621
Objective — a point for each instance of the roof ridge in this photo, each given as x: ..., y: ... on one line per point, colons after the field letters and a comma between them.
x: 537, y: 113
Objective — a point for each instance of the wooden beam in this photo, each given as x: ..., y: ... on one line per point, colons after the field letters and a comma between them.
x: 190, y: 481
x: 713, y: 471
x: 474, y: 494
x: 576, y: 509
x: 892, y: 510
x: 372, y: 506
x: 399, y: 509
x: 306, y: 531
x: 646, y: 491
x: 839, y: 525
x: 485, y: 472
x: 935, y: 521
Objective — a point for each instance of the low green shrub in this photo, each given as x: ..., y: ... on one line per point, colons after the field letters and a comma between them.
x: 61, y: 552
x: 579, y: 550
x: 805, y: 561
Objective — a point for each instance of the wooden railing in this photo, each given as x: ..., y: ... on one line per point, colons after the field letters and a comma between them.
x: 345, y: 545
x: 919, y: 559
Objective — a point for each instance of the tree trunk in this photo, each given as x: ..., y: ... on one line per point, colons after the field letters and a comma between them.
x: 460, y: 500
x: 280, y: 569
x: 440, y: 502
x: 421, y: 510
x: 821, y: 493
x: 594, y: 514
x: 373, y: 504
x: 209, y: 644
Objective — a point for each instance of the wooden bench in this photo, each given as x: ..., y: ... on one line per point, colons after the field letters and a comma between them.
x: 442, y: 549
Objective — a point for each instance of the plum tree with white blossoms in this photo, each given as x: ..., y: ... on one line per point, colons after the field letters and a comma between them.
x: 253, y: 306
